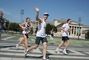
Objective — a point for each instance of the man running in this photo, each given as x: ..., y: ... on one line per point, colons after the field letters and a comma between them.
x: 40, y: 35
x: 65, y: 39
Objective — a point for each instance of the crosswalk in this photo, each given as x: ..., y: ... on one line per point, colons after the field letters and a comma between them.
x: 19, y: 53
x: 13, y: 53
x: 6, y: 36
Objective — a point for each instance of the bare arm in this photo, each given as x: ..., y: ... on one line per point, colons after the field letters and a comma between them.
x: 22, y: 26
x: 37, y: 15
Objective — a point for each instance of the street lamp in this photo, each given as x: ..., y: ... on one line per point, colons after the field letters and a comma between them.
x: 79, y: 29
x: 22, y: 13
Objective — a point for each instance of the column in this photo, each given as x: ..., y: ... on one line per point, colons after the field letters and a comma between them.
x: 76, y: 30
x: 80, y: 31
x: 71, y: 30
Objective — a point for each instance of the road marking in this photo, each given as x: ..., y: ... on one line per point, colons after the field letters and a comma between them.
x: 21, y: 50
x: 87, y: 52
x: 36, y: 53
x: 76, y: 52
x: 70, y: 57
x: 8, y: 37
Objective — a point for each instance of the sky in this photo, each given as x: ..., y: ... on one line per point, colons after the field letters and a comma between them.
x: 57, y: 9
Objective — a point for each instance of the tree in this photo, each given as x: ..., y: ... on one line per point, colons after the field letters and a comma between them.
x: 87, y: 35
x: 14, y: 26
x: 49, y: 28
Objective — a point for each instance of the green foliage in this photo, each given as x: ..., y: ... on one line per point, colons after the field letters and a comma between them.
x: 87, y: 35
x: 13, y: 26
x: 54, y: 28
x: 6, y: 25
x: 50, y: 28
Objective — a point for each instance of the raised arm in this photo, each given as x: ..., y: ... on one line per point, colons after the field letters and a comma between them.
x: 37, y: 15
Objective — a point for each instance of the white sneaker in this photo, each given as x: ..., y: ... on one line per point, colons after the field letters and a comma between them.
x: 57, y: 51
x: 64, y: 52
x: 60, y: 50
x: 17, y: 45
x: 26, y: 52
x: 45, y: 59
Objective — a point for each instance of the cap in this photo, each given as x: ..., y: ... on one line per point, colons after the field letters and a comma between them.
x: 46, y: 14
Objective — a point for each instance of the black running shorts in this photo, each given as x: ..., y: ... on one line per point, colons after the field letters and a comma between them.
x: 65, y: 38
x: 42, y: 39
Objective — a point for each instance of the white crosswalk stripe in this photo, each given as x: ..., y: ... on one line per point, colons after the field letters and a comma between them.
x: 19, y: 52
x: 8, y: 38
x: 12, y: 51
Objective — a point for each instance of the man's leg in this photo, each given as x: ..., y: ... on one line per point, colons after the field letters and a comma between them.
x: 37, y: 42
x: 41, y: 48
x: 31, y: 48
x: 61, y: 45
x: 66, y: 44
x: 44, y: 49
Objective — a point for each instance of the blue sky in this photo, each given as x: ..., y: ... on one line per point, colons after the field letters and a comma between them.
x: 56, y: 8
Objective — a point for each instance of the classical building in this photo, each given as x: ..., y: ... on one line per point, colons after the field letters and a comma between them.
x: 76, y: 30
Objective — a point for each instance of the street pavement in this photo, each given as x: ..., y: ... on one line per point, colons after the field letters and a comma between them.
x: 8, y: 51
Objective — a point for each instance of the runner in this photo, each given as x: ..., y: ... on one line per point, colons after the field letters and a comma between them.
x: 40, y: 35
x: 65, y: 39
x: 26, y: 26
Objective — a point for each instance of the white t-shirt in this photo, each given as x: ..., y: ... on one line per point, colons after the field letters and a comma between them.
x: 41, y: 29
x: 65, y: 27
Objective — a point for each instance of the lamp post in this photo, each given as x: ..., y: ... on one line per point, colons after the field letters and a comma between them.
x: 79, y: 23
x: 22, y: 13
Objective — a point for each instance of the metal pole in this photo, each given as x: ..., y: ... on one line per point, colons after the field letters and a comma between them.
x: 22, y: 13
x: 79, y: 22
